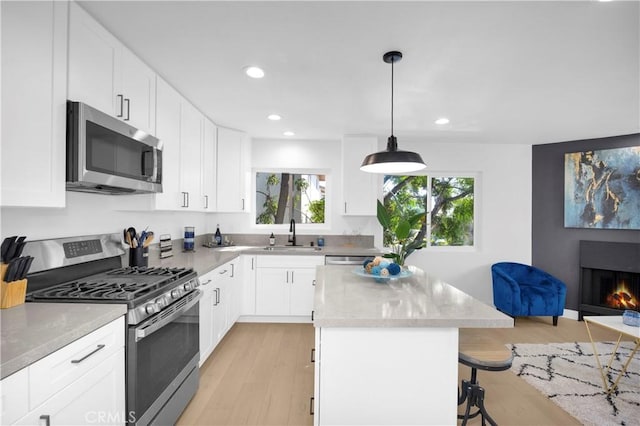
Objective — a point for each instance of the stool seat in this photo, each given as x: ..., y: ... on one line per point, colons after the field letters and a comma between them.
x: 479, y: 358
x: 491, y: 360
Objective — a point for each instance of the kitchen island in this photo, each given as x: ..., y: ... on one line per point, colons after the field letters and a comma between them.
x: 387, y: 352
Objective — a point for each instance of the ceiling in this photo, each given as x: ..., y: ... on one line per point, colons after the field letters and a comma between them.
x: 502, y: 72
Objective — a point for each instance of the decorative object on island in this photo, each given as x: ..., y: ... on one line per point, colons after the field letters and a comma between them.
x: 392, y: 160
x: 406, y: 239
x: 602, y: 189
x: 524, y: 290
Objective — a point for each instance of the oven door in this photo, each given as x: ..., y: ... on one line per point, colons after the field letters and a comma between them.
x: 162, y: 358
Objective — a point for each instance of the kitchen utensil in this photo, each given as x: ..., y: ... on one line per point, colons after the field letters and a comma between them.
x: 148, y: 240
x: 127, y: 238
x: 6, y: 243
x: 132, y: 234
x: 24, y: 267
x: 19, y: 248
x: 12, y: 269
x: 7, y: 247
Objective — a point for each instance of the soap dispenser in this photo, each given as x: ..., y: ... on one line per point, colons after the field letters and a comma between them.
x: 272, y: 240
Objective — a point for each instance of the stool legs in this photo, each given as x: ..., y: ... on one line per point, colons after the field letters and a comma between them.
x: 473, y: 393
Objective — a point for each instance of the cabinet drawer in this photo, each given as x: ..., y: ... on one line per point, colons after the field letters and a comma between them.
x: 56, y: 371
x: 14, y: 396
x: 289, y: 261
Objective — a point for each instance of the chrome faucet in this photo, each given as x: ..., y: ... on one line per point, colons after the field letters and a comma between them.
x: 292, y: 228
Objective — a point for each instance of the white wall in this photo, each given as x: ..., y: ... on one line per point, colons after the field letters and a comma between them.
x: 503, y: 219
x: 89, y: 214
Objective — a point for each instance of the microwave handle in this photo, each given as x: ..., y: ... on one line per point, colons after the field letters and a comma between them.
x: 149, y: 163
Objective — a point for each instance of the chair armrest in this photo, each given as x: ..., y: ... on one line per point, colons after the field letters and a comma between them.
x: 506, y: 292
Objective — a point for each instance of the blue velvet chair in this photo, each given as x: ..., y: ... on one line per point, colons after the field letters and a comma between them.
x: 523, y: 290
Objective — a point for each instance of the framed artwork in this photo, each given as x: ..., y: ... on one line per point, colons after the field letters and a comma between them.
x: 602, y: 189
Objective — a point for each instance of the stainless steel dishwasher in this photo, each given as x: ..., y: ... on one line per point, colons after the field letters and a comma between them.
x: 345, y: 260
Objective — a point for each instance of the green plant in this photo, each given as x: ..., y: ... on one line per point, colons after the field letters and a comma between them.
x: 405, y: 239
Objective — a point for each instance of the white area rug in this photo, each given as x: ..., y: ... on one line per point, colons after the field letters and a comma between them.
x: 567, y: 373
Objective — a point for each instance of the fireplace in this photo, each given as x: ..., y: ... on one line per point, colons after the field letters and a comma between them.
x: 609, y: 278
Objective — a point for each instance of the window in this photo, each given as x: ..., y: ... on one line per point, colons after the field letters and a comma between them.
x: 448, y: 200
x: 281, y: 197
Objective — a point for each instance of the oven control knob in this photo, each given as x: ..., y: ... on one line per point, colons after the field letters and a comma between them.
x: 161, y: 302
x: 151, y: 308
x: 176, y: 293
x: 188, y: 286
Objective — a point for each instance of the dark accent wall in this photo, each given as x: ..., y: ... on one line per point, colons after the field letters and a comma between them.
x: 555, y: 248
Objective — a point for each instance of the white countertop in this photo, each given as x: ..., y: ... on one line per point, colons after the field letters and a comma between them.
x: 344, y: 299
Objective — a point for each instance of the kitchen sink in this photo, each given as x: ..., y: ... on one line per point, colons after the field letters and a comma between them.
x: 292, y: 248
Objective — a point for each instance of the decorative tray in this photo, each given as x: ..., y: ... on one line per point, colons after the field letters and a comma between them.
x: 361, y: 272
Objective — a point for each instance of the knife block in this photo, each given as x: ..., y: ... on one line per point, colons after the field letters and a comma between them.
x: 13, y: 293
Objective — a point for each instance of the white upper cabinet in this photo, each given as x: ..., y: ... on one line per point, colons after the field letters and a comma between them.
x: 34, y: 92
x: 233, y: 157
x: 191, y: 123
x: 106, y: 75
x: 209, y: 148
x: 359, y: 189
x: 168, y: 112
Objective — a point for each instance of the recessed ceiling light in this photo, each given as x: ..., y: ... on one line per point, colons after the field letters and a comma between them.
x: 289, y: 133
x: 274, y: 117
x: 254, y: 72
x: 442, y: 120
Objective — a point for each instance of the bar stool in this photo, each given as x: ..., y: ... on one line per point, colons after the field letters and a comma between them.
x: 471, y: 391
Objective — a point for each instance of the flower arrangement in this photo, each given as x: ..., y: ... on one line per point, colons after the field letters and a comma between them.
x: 406, y: 238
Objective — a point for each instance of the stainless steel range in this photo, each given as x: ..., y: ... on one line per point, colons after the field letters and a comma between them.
x: 162, y: 346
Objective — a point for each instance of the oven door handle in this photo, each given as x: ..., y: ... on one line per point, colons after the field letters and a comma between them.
x: 143, y: 330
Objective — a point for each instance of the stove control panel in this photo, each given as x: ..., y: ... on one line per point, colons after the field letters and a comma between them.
x: 160, y: 302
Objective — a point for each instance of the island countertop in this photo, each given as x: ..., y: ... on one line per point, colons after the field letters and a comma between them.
x: 344, y: 299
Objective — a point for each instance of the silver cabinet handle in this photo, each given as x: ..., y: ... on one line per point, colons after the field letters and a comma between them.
x: 78, y: 361
x: 185, y: 199
x: 46, y: 419
x: 128, y: 109
x: 206, y: 283
x: 206, y: 201
x: 121, y: 98
x: 345, y: 207
x: 223, y: 272
x: 233, y: 270
x: 292, y: 277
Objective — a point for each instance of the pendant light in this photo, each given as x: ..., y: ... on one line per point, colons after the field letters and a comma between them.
x: 392, y: 160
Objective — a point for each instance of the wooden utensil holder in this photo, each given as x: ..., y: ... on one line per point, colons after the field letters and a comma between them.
x: 13, y: 293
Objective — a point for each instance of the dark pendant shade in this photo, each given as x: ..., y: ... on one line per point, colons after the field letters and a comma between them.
x: 392, y: 161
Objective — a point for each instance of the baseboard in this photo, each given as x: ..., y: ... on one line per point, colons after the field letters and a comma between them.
x: 275, y: 318
x: 570, y: 314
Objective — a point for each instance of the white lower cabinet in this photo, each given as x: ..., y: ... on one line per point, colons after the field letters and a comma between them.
x: 81, y: 383
x: 248, y: 304
x: 219, y: 306
x: 285, y: 284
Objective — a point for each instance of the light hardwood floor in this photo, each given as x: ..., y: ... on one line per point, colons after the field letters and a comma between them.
x: 262, y: 374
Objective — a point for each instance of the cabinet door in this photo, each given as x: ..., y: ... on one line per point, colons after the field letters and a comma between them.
x: 190, y: 162
x: 248, y: 305
x: 220, y: 310
x: 96, y: 397
x: 139, y: 91
x: 168, y: 112
x: 209, y: 145
x: 232, y: 153
x: 272, y: 291
x: 94, y: 63
x: 34, y: 85
x: 359, y: 189
x: 206, y: 317
x: 303, y: 281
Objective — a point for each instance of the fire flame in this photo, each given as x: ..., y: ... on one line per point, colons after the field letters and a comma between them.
x: 622, y: 298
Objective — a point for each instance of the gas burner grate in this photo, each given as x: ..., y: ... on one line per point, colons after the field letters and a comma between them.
x: 136, y: 270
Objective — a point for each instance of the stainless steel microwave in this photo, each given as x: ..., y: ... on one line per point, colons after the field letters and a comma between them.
x: 107, y: 155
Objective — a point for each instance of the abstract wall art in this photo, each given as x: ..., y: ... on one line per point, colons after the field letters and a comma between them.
x: 602, y: 189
